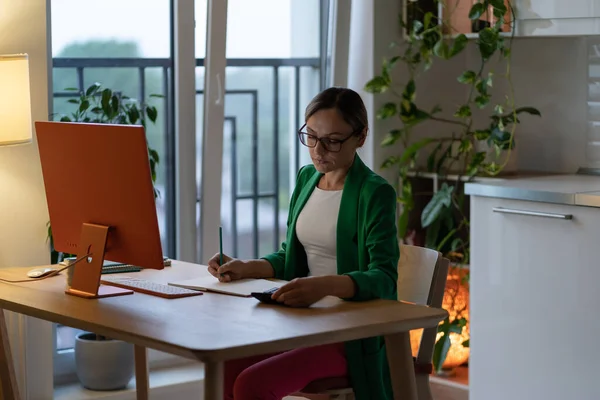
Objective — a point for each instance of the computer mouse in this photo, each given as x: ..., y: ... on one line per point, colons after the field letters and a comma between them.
x: 40, y: 272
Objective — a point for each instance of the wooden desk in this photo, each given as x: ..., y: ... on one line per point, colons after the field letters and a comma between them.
x: 213, y: 328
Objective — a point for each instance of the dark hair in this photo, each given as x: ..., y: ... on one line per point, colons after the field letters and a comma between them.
x: 346, y: 101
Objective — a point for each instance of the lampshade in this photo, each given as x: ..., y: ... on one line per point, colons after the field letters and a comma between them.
x: 15, y: 100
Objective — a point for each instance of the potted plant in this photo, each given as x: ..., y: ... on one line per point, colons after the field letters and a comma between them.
x: 480, y: 132
x: 103, y: 363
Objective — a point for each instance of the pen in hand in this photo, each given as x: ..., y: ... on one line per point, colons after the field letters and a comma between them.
x: 221, y: 247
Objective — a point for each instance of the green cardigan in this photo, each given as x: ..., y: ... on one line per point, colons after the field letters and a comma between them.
x: 367, y: 251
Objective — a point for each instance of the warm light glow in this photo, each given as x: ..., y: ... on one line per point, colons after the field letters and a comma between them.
x: 15, y: 100
x: 456, y: 302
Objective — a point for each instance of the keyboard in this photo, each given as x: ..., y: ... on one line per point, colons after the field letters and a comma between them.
x: 149, y: 287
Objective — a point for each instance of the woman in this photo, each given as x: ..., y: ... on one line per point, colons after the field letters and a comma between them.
x: 341, y: 241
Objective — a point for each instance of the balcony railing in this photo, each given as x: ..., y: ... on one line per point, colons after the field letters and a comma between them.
x: 286, y: 75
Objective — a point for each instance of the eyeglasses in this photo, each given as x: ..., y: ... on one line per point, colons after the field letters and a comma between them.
x: 332, y: 145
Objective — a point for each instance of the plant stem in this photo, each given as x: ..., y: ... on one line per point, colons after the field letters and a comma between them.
x: 449, y: 121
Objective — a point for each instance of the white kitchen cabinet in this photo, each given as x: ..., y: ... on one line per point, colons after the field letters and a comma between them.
x: 535, y: 301
x: 557, y: 9
x: 545, y: 18
x: 557, y: 17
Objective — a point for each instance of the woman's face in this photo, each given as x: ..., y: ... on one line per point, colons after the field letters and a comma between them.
x: 331, y: 141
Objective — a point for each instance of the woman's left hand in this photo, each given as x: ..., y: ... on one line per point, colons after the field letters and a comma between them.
x: 302, y: 292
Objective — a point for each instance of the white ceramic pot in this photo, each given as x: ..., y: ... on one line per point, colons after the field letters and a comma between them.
x: 103, y: 364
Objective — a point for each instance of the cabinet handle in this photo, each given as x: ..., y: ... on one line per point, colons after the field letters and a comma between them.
x: 532, y: 213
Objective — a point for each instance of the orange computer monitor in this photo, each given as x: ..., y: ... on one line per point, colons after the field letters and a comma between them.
x: 98, y: 175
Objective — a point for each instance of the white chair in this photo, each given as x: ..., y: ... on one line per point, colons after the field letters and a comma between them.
x: 422, y: 274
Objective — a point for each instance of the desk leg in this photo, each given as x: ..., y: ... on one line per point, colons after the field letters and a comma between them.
x: 213, y: 381
x: 402, y: 369
x: 9, y: 390
x: 142, y: 382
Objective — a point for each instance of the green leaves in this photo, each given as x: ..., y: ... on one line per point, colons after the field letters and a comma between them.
x: 460, y: 42
x: 441, y: 49
x: 467, y: 77
x: 463, y: 112
x: 392, y: 137
x: 91, y: 91
x: 440, y: 350
x: 377, y: 85
x: 403, y: 223
x: 427, y: 20
x: 410, y: 115
x: 133, y: 114
x: 84, y: 105
x: 387, y: 111
x: 481, y: 85
x: 488, y: 42
x: 476, y: 11
x: 529, y: 110
x: 390, y: 161
x: 417, y: 27
x: 446, y: 50
x: 105, y: 102
x: 411, y: 151
x: 106, y: 106
x: 476, y: 161
x: 386, y: 68
x: 409, y: 91
x: 500, y: 8
x: 482, y: 134
x: 438, y: 228
x: 432, y: 156
x: 482, y: 100
x: 430, y: 38
x: 442, y: 198
x: 152, y: 113
x: 465, y: 146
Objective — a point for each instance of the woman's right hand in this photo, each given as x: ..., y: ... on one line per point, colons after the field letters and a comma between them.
x: 231, y: 270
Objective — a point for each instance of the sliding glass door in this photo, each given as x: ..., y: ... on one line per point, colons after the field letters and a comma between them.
x: 235, y: 77
x: 253, y: 100
x: 133, y: 57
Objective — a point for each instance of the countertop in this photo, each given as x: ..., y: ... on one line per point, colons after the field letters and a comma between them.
x: 571, y: 189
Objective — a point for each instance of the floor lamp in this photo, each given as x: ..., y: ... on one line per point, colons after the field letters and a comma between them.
x: 15, y: 129
x: 15, y: 100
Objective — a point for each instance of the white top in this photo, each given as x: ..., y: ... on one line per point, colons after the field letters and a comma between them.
x: 316, y: 230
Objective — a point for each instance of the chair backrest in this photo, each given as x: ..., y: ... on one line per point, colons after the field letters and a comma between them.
x: 422, y: 275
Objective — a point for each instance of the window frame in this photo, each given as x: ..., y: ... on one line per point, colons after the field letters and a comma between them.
x: 64, y: 360
x: 181, y: 147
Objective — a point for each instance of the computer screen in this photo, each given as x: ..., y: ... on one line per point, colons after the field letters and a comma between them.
x: 100, y: 174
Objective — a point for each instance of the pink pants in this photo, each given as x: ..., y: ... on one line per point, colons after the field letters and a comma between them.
x: 274, y: 376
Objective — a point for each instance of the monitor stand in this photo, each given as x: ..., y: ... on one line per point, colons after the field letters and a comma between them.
x: 87, y: 273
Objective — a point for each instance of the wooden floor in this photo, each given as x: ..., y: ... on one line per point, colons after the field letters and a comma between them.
x: 451, y: 388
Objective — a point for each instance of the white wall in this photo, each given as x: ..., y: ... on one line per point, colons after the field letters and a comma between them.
x: 361, y: 59
x: 23, y: 211
x: 551, y: 75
